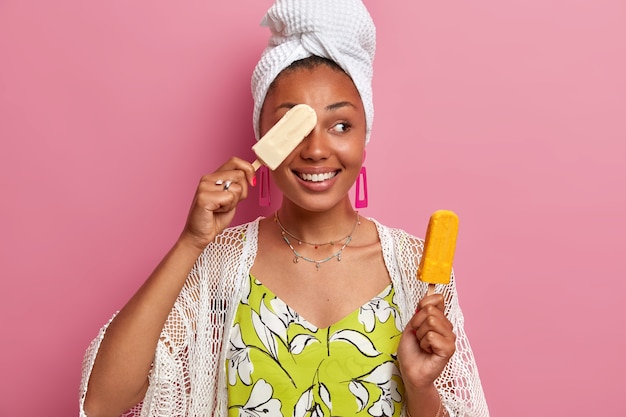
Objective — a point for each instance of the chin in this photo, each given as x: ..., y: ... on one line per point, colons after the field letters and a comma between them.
x: 317, y: 203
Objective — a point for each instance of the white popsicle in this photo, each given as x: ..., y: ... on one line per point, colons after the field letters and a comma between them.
x: 284, y: 136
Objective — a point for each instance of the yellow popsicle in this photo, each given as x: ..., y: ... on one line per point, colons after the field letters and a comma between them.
x: 284, y: 136
x: 436, y: 264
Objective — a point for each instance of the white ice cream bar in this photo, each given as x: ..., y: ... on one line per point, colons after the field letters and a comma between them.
x: 284, y: 136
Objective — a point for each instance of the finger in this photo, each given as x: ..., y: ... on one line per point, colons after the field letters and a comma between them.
x: 212, y: 186
x: 425, y: 311
x: 438, y: 344
x: 421, y: 315
x: 238, y: 191
x: 436, y: 300
x: 245, y: 168
x: 235, y: 181
x: 227, y: 181
x: 215, y: 199
x: 434, y: 323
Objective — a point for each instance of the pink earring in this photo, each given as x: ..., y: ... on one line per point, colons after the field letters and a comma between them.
x: 264, y: 186
x: 361, y: 187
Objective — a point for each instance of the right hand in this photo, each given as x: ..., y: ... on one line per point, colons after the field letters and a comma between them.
x: 427, y: 343
x: 213, y: 207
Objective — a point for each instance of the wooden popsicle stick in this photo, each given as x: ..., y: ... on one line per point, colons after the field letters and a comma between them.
x: 431, y: 289
x: 257, y: 164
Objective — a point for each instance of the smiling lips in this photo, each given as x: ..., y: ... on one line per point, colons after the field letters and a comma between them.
x: 317, y: 177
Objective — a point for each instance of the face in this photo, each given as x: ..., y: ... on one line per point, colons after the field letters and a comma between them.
x: 319, y: 173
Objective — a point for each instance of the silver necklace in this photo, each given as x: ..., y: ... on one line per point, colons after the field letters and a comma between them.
x: 318, y: 263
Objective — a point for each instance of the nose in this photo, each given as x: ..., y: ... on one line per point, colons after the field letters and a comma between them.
x: 315, y: 146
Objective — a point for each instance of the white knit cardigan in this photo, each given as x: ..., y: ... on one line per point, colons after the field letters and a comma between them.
x: 188, y: 376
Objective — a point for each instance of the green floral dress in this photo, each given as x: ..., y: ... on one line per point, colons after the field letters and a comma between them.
x: 278, y: 364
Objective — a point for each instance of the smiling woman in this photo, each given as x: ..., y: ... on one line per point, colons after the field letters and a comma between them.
x: 232, y: 323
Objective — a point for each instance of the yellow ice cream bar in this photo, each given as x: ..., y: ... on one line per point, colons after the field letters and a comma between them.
x: 284, y: 136
x: 436, y: 264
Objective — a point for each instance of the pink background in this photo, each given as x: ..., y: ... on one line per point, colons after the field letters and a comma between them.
x: 510, y: 113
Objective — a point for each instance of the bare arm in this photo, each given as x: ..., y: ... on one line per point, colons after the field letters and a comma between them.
x: 119, y: 378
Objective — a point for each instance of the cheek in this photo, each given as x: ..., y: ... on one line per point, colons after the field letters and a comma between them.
x: 281, y: 175
x: 354, y: 154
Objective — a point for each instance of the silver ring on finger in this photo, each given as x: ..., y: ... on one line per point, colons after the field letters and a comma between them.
x: 227, y: 185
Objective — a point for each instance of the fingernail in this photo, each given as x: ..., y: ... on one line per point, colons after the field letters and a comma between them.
x: 254, y: 181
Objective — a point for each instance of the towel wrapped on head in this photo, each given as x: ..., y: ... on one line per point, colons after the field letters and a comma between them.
x: 340, y: 30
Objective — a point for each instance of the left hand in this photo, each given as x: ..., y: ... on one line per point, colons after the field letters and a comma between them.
x: 427, y: 343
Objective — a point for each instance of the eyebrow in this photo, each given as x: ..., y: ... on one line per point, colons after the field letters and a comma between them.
x: 330, y: 107
x: 339, y: 105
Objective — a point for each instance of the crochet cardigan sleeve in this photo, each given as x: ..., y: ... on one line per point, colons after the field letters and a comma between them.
x: 186, y: 368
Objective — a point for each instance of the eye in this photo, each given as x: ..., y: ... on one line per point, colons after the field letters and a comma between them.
x: 341, y: 127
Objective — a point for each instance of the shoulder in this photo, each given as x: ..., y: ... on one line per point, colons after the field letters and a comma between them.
x: 233, y: 241
x: 400, y: 249
x: 397, y: 236
x: 230, y: 251
x: 239, y: 233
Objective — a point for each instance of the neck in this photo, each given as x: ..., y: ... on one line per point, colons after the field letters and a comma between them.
x: 318, y: 227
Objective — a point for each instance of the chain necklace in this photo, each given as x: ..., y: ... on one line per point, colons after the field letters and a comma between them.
x: 318, y: 263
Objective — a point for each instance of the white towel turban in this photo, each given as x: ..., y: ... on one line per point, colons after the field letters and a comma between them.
x: 340, y: 30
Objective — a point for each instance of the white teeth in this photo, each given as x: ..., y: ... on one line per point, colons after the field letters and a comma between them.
x: 318, y: 177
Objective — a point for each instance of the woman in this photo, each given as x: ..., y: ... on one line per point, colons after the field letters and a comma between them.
x: 314, y: 311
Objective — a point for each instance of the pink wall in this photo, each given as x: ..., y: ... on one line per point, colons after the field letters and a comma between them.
x: 511, y: 113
